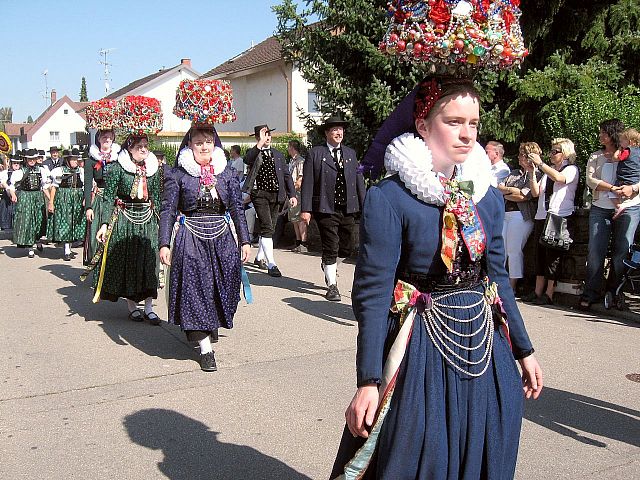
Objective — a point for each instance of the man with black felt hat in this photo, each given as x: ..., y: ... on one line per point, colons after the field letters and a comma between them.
x: 53, y: 160
x: 269, y: 184
x: 333, y: 190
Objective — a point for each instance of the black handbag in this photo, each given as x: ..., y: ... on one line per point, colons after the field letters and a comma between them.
x: 555, y: 233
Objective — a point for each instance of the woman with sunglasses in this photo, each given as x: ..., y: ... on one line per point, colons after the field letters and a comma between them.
x: 556, y: 192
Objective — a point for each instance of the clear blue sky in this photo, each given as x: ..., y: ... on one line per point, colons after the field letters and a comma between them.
x: 64, y: 37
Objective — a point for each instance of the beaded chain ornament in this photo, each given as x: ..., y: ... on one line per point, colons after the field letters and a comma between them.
x: 138, y: 115
x: 456, y: 36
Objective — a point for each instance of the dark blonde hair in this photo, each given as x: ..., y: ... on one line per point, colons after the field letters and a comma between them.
x: 632, y: 135
x: 434, y: 92
x: 530, y: 147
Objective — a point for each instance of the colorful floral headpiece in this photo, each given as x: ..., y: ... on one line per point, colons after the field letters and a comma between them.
x: 138, y: 115
x: 456, y: 36
x: 205, y: 102
x: 102, y: 114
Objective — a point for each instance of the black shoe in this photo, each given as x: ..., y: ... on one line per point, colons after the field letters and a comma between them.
x: 274, y: 271
x: 67, y: 257
x: 136, y: 316
x: 73, y: 254
x: 529, y: 297
x: 152, y: 318
x: 261, y: 264
x: 542, y: 300
x: 39, y: 246
x: 208, y: 362
x: 333, y: 294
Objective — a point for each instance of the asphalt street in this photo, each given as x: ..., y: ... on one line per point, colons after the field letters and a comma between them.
x: 86, y: 393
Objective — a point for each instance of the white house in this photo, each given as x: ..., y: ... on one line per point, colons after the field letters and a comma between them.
x: 62, y: 123
x: 162, y: 85
x: 266, y: 89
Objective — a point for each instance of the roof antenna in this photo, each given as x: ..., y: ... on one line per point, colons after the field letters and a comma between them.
x: 103, y: 53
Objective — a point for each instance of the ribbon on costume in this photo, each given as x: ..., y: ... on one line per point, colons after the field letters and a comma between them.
x: 102, y: 248
x: 460, y: 218
x: 139, y: 187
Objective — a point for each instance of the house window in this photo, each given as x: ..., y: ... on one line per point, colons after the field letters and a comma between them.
x: 54, y: 136
x: 313, y: 102
x: 66, y: 111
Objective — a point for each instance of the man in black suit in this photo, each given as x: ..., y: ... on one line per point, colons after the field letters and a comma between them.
x: 269, y: 184
x: 333, y: 190
x: 54, y: 160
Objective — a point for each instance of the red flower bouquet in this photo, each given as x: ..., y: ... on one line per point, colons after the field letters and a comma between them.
x: 205, y: 101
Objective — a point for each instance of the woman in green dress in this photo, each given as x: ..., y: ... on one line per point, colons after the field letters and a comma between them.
x: 129, y: 264
x: 30, y: 189
x: 102, y: 156
x: 66, y: 222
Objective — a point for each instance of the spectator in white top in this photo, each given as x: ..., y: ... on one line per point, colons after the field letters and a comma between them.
x: 499, y: 169
x: 236, y: 161
x: 562, y: 177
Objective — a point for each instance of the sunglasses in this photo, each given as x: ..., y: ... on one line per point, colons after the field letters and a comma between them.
x: 555, y: 151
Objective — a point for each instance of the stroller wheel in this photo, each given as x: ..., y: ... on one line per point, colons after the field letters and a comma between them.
x: 608, y: 300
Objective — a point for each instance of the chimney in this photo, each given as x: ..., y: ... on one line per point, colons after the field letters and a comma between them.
x: 54, y: 97
x: 185, y: 61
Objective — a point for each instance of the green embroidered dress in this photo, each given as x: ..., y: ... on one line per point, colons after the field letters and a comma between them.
x: 30, y: 212
x: 95, y: 179
x: 67, y: 223
x: 129, y: 267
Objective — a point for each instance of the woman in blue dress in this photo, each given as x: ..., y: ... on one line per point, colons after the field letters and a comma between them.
x: 439, y: 394
x: 205, y: 260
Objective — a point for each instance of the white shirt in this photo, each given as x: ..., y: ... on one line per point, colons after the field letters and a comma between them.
x: 239, y: 165
x: 563, y: 196
x: 500, y: 170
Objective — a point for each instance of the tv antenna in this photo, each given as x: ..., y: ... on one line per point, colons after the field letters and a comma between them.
x: 45, y: 72
x: 104, y: 61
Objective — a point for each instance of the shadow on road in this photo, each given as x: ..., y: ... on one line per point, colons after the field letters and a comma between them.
x: 192, y: 451
x: 164, y: 341
x: 576, y: 416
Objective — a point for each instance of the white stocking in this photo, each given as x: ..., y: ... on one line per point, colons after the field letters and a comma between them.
x: 132, y: 305
x: 260, y: 255
x: 330, y: 273
x: 267, y: 247
x: 205, y: 345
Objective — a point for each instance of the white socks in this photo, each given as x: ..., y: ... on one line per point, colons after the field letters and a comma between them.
x: 267, y: 247
x: 132, y: 305
x: 205, y: 345
x: 330, y: 273
x: 260, y: 255
x: 148, y: 305
x: 67, y: 249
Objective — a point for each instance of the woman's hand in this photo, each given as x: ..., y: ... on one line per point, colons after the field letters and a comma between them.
x: 245, y: 252
x: 531, y: 377
x: 89, y: 215
x: 535, y: 159
x: 14, y: 197
x: 362, y: 410
x: 51, y: 207
x: 293, y: 201
x: 624, y: 191
x: 165, y: 256
x: 305, y: 217
x: 101, y: 236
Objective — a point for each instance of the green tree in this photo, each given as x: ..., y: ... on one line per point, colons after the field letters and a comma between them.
x: 575, y: 46
x: 83, y: 91
x: 29, y: 119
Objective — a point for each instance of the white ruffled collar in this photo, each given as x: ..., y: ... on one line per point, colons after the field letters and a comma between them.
x: 409, y: 157
x: 188, y: 162
x: 94, y: 152
x: 151, y: 163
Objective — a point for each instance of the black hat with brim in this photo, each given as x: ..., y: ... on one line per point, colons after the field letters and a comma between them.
x: 54, y: 149
x: 333, y: 121
x: 74, y: 152
x: 30, y: 153
x: 257, y: 128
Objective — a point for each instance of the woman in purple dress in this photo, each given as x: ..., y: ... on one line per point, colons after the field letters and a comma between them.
x: 205, y: 260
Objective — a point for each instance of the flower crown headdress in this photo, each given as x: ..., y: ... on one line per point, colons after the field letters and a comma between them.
x: 138, y: 115
x: 102, y: 114
x: 205, y: 102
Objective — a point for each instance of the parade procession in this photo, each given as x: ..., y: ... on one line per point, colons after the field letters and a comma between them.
x: 348, y: 252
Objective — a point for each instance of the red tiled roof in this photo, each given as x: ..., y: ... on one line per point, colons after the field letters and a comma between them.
x: 265, y: 52
x: 51, y: 109
x: 13, y: 129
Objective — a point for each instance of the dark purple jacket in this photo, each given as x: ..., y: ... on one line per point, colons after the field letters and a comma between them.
x: 180, y: 193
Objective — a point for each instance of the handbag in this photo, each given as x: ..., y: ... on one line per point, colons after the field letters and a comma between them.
x: 555, y: 233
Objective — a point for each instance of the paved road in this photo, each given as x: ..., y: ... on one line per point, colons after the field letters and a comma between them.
x: 87, y: 394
